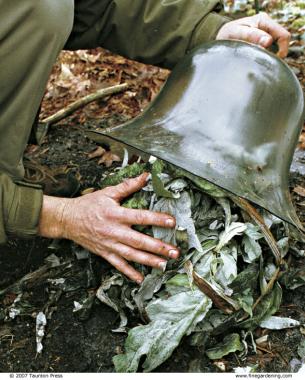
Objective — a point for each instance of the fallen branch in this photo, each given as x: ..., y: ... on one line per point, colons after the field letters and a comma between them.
x: 64, y: 112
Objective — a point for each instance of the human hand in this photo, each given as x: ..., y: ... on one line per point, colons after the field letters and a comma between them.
x: 259, y: 29
x: 98, y: 223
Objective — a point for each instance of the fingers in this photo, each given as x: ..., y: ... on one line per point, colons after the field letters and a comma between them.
x: 121, y: 265
x: 278, y: 33
x: 126, y: 188
x: 145, y: 217
x: 260, y: 30
x: 251, y: 34
x: 147, y: 243
x: 137, y: 256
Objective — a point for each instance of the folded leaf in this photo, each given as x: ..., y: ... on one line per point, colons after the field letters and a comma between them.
x: 278, y: 323
x: 231, y: 343
x: 171, y: 319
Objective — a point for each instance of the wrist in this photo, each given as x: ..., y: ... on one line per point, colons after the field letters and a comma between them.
x: 53, y: 217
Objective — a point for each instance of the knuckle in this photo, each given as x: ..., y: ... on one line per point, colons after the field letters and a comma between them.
x: 253, y: 35
x: 127, y: 254
x: 287, y: 34
x: 125, y: 186
x: 139, y: 217
x: 136, y: 243
x: 160, y: 247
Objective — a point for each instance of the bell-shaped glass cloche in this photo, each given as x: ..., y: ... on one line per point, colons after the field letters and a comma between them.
x: 231, y: 113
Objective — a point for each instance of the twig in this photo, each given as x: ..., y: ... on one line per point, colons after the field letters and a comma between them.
x: 269, y: 287
x: 221, y: 301
x: 257, y: 218
x: 66, y: 111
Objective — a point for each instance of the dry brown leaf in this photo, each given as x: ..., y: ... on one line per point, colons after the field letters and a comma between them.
x: 98, y: 152
x: 108, y: 159
x: 299, y: 190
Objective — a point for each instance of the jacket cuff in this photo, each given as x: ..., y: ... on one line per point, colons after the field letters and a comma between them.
x: 24, y: 211
x: 207, y: 29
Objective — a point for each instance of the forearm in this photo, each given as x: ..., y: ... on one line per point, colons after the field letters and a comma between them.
x: 152, y: 31
x: 52, y: 223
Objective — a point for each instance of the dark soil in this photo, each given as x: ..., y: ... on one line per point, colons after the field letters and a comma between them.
x: 72, y: 344
x: 75, y: 343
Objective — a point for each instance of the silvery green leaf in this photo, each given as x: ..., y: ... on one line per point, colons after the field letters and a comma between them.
x: 227, y: 270
x: 213, y: 320
x: 206, y: 211
x: 262, y: 279
x: 181, y: 209
x: 301, y: 349
x: 231, y: 343
x: 214, y: 225
x: 158, y: 186
x: 171, y: 319
x: 207, y: 246
x: 278, y: 323
x: 151, y: 284
x: 177, y: 185
x: 251, y: 247
x: 247, y: 279
x: 245, y: 300
x: 180, y: 306
x: 202, y: 184
x: 253, y: 232
x: 177, y: 284
x: 293, y: 278
x: 165, y: 234
x: 283, y: 245
x: 232, y: 230
x: 203, y: 266
x: 269, y: 305
x: 225, y: 204
x: 269, y: 271
x: 270, y: 219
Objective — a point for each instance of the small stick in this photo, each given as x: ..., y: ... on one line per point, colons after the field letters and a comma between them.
x: 257, y: 218
x: 66, y: 111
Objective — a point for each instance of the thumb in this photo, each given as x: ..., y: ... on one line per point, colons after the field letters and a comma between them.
x: 126, y: 188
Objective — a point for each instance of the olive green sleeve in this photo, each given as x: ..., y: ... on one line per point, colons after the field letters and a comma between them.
x: 20, y: 205
x: 158, y: 32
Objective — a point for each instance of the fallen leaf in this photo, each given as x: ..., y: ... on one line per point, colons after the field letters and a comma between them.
x: 108, y: 159
x: 299, y: 190
x: 279, y: 323
x: 98, y: 152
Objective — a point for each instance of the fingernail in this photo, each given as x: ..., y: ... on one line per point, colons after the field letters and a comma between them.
x: 170, y: 222
x: 162, y: 265
x: 264, y: 40
x: 173, y: 253
x: 139, y: 282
